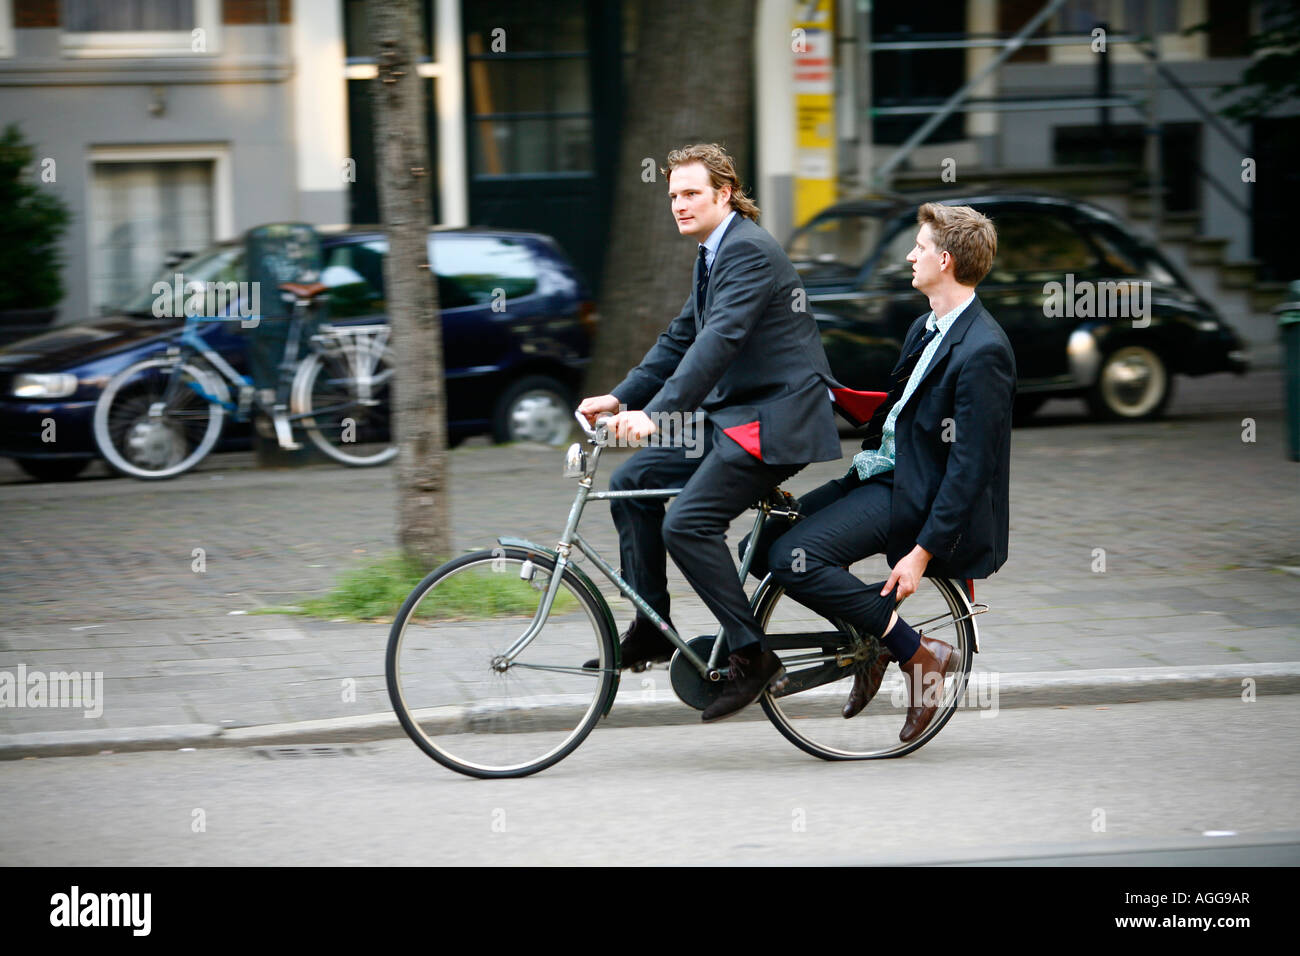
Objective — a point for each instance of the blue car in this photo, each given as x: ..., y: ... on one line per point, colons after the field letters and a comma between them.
x: 517, y: 323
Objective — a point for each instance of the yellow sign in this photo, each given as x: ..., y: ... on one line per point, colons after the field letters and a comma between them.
x: 812, y: 43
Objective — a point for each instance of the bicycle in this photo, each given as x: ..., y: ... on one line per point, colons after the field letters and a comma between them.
x: 161, y: 416
x: 483, y: 663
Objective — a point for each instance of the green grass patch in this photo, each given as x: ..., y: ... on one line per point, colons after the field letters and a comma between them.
x: 376, y: 591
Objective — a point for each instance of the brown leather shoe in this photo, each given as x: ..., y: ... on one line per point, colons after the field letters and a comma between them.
x: 924, y: 674
x: 865, y: 684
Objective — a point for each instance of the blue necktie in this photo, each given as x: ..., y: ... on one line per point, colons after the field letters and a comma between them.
x: 702, y: 283
x: 876, y: 427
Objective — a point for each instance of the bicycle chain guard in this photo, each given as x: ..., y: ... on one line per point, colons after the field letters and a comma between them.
x: 694, y: 689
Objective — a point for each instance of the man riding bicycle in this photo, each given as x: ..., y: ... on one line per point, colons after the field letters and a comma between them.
x: 744, y: 352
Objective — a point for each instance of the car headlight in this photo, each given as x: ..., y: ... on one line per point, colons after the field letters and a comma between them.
x: 52, y: 385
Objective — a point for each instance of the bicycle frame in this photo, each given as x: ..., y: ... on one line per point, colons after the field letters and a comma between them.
x: 570, y: 538
x: 361, y: 340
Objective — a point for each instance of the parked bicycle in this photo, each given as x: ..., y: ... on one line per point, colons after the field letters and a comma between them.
x: 485, y: 658
x: 161, y: 416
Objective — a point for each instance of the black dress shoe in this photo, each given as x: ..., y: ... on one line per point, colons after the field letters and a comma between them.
x: 642, y: 645
x: 750, y: 675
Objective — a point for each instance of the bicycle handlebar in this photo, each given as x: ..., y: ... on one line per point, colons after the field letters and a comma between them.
x: 589, y: 431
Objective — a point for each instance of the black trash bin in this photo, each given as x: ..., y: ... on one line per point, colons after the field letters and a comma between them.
x: 1288, y: 326
x: 278, y: 253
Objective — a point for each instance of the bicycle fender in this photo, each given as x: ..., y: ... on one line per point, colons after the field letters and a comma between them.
x: 586, y: 582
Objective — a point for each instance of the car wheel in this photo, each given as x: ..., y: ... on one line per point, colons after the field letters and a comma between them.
x: 1133, y: 383
x: 535, y: 408
x: 54, y: 469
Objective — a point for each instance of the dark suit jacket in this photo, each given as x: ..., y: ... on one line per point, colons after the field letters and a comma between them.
x: 753, y: 361
x: 951, y: 497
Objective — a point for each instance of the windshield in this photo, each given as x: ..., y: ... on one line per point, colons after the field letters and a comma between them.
x: 220, y: 264
x: 839, y: 243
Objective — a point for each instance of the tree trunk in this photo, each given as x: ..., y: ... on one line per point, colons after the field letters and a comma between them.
x: 692, y: 82
x: 419, y: 398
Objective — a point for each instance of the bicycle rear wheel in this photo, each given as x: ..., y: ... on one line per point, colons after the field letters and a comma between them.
x: 153, y: 420
x: 345, y: 393
x: 456, y: 696
x: 811, y: 719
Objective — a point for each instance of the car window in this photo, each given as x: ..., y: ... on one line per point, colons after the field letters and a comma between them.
x: 1037, y: 247
x: 892, y: 268
x: 355, y: 275
x: 478, y: 270
x: 836, y: 241
x: 1121, y: 256
x: 470, y: 270
x: 219, y: 264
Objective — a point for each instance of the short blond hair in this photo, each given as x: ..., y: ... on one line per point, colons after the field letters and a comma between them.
x: 722, y: 172
x: 966, y: 235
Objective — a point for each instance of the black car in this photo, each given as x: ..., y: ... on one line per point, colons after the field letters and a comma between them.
x: 1092, y: 309
x: 517, y: 324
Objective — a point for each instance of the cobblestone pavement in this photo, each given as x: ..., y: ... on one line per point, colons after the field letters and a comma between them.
x: 1197, y: 530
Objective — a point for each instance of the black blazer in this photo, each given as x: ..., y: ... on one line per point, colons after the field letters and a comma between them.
x: 753, y: 361
x: 951, y: 497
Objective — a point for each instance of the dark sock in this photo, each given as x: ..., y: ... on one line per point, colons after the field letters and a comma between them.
x: 902, y: 641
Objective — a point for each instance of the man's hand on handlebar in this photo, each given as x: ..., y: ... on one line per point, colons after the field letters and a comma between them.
x: 598, y: 405
x: 631, y: 428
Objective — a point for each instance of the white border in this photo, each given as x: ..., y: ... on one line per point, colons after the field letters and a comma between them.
x: 126, y: 43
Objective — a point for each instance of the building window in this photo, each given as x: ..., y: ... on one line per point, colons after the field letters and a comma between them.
x: 6, y: 28
x: 1163, y: 19
x: 140, y: 28
x: 146, y: 203
x: 529, y: 89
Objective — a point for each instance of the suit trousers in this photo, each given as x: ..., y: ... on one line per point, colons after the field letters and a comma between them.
x: 715, y: 490
x: 844, y: 521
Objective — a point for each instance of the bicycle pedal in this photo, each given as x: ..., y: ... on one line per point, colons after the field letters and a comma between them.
x: 283, y: 431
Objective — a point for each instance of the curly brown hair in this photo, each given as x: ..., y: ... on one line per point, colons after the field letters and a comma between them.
x: 966, y: 235
x: 722, y: 172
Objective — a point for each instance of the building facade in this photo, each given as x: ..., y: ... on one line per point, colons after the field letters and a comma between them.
x: 168, y: 124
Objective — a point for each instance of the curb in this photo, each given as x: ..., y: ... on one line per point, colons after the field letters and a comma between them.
x: 988, y: 691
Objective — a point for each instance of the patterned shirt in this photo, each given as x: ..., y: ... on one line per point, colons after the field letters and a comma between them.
x: 880, y: 460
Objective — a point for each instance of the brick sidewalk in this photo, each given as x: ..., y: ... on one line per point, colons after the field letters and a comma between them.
x: 1197, y: 529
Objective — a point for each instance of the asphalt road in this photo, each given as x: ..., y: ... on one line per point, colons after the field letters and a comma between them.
x: 1135, y: 783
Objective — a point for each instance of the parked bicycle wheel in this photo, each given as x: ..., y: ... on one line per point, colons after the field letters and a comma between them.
x: 345, y: 390
x: 811, y: 719
x: 153, y: 419
x: 459, y: 699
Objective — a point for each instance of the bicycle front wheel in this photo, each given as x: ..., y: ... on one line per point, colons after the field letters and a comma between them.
x: 811, y: 719
x: 345, y: 393
x: 463, y: 700
x: 160, y: 417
